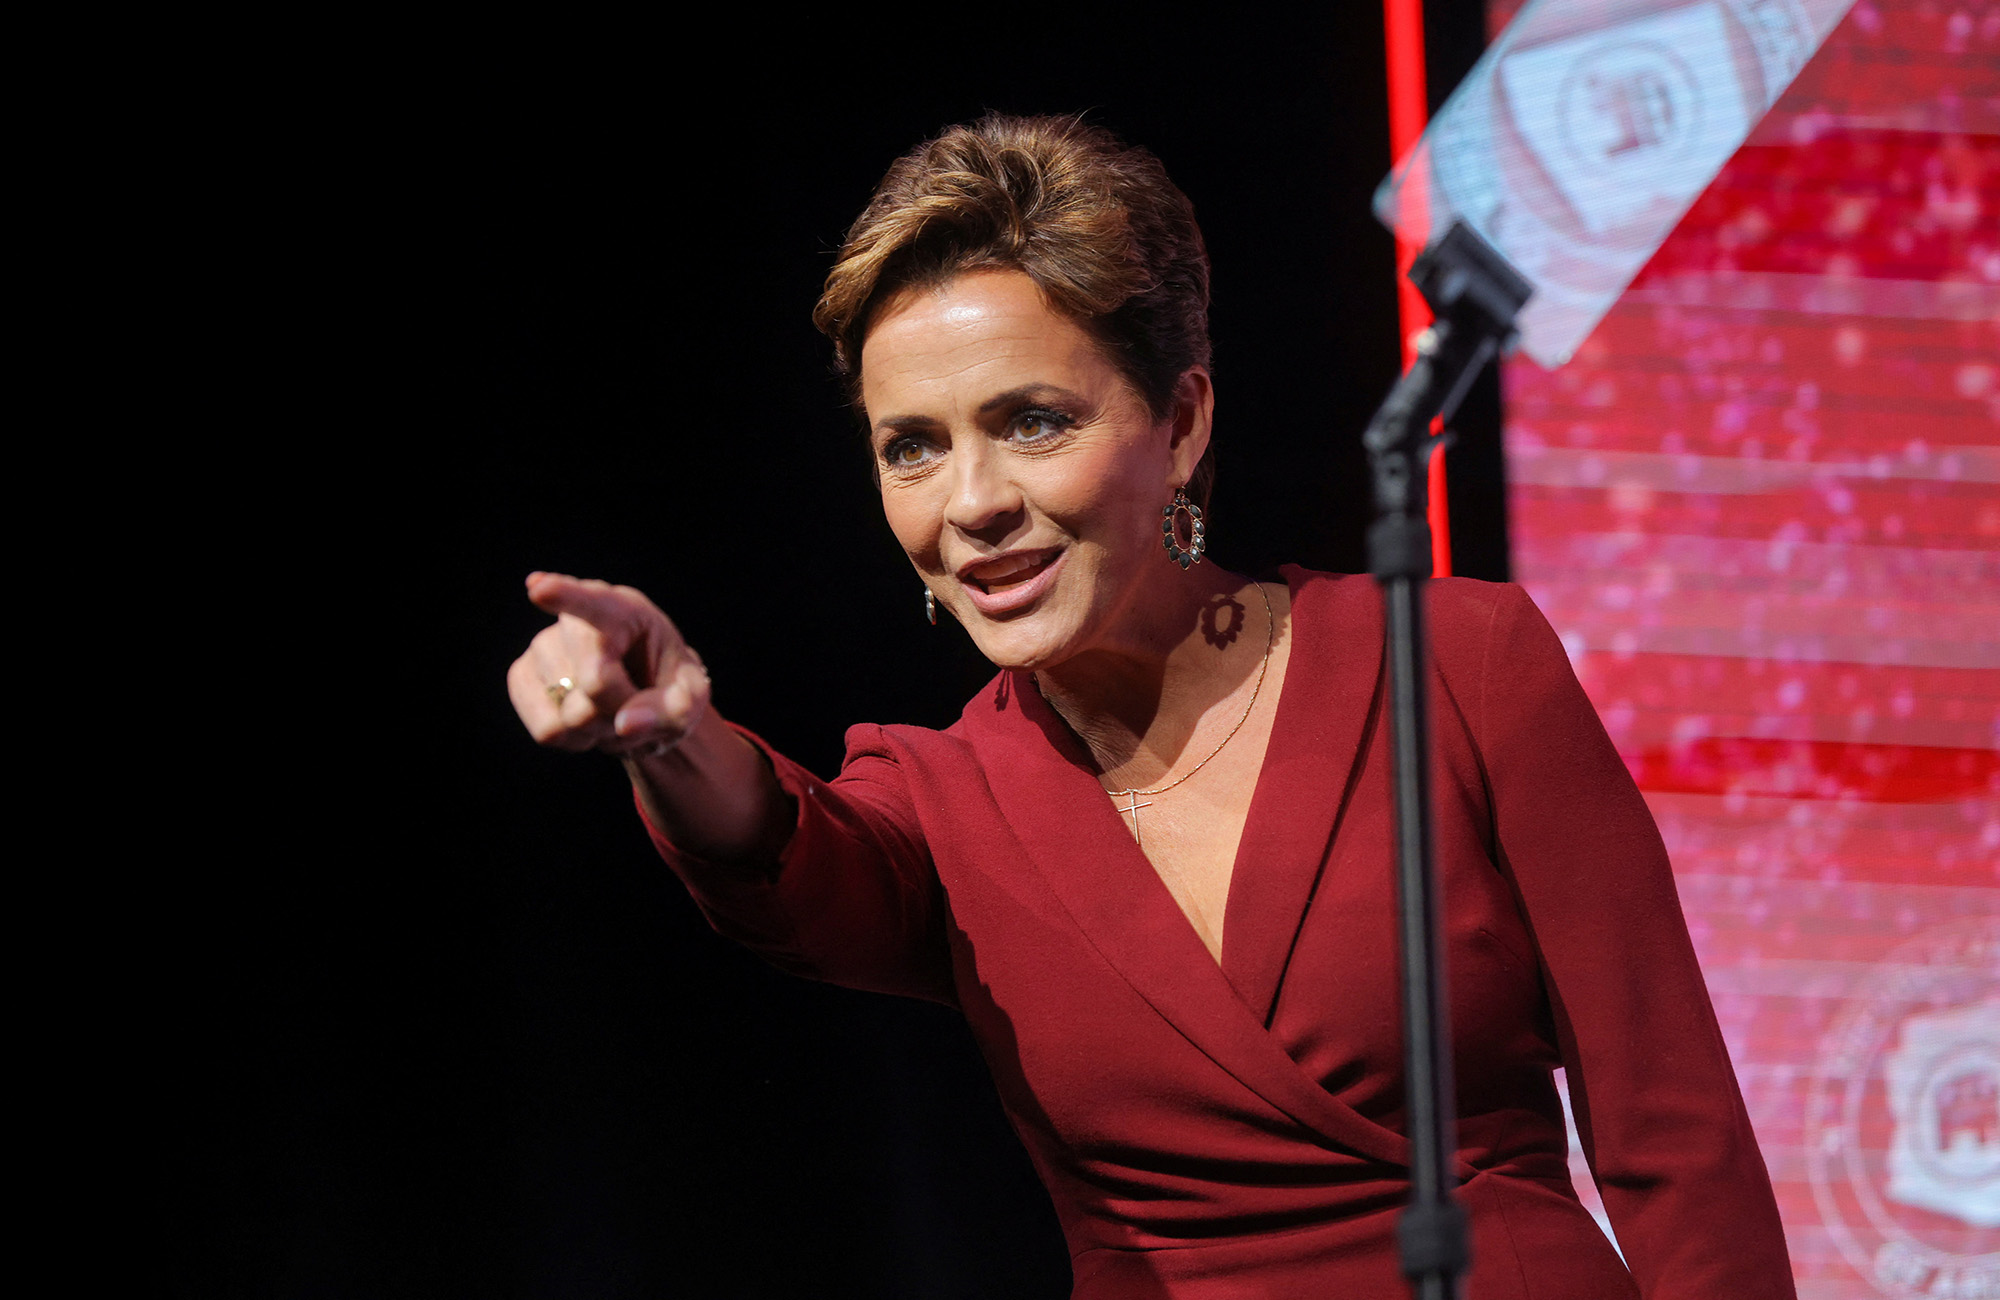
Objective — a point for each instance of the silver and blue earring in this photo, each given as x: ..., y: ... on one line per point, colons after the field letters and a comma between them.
x: 930, y: 606
x: 1197, y: 530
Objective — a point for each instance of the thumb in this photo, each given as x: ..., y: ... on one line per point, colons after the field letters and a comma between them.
x: 668, y: 710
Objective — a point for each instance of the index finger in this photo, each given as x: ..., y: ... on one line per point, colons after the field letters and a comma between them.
x: 603, y: 606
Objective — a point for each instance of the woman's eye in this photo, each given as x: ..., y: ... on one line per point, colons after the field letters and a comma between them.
x: 904, y: 452
x: 1032, y: 425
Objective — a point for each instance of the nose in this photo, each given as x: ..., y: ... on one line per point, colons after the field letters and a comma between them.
x: 986, y: 502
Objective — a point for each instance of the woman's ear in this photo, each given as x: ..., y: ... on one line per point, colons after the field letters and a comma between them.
x: 1193, y: 415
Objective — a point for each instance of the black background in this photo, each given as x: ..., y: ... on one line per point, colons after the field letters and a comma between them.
x: 431, y: 1020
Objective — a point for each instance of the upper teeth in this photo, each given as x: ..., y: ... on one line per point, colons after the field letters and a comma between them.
x: 1003, y: 569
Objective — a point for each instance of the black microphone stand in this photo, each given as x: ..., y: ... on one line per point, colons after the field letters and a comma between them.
x: 1474, y: 296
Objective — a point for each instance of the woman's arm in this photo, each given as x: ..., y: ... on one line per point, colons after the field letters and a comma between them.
x: 612, y: 673
x: 830, y: 880
x: 1656, y: 1100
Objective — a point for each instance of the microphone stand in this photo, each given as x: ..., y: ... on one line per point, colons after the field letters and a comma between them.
x: 1474, y: 296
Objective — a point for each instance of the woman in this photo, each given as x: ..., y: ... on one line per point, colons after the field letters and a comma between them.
x: 1151, y: 861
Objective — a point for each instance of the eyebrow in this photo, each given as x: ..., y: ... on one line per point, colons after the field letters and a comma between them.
x: 1027, y: 393
x: 1013, y: 397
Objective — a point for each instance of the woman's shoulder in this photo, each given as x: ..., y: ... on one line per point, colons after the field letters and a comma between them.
x: 1479, y: 632
x: 1458, y: 607
x: 1477, y: 611
x: 986, y: 714
x: 998, y: 734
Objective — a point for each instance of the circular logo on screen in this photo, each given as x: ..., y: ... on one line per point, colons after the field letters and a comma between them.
x: 1629, y: 105
x: 1902, y: 1131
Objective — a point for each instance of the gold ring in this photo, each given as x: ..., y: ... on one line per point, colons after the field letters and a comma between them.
x: 558, y: 688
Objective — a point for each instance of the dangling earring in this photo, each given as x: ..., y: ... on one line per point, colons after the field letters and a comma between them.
x: 1197, y: 531
x: 930, y: 606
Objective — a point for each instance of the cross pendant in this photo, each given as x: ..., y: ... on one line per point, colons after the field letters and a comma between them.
x: 1134, y: 808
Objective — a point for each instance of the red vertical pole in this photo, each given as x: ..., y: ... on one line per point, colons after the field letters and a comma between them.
x: 1409, y: 109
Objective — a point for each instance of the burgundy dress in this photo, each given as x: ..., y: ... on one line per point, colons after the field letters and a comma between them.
x: 1236, y: 1130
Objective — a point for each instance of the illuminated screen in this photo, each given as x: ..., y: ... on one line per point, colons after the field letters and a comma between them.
x: 1762, y: 509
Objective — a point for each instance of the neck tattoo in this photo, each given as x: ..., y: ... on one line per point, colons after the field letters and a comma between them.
x: 1132, y: 796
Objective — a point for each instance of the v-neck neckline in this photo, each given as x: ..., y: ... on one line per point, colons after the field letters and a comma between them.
x: 1079, y: 757
x: 1303, y: 789
x: 1074, y: 841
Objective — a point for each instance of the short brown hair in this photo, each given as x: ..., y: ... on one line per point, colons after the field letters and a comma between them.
x: 1110, y: 241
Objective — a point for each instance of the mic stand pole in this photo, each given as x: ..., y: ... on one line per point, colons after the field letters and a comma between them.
x: 1474, y: 296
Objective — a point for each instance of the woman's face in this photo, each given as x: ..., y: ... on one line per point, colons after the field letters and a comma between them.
x: 1020, y: 470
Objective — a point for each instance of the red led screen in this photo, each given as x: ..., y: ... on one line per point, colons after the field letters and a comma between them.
x: 1762, y: 509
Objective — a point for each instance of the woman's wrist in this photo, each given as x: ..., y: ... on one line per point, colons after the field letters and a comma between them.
x: 713, y: 794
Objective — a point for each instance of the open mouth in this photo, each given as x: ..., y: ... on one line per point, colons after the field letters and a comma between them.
x: 996, y: 577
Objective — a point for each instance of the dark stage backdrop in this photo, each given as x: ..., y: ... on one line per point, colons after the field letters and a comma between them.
x: 438, y: 1023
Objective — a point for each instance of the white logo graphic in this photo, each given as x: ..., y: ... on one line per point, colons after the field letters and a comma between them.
x: 1903, y: 1121
x: 1579, y: 140
x: 1641, y: 116
x: 1944, y: 1090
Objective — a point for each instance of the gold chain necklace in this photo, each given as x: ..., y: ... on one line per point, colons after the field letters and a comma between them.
x: 1132, y: 796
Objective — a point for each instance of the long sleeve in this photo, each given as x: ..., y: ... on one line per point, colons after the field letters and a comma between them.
x: 1656, y: 1100
x: 853, y: 899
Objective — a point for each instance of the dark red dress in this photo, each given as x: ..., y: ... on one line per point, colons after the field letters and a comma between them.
x: 1235, y: 1131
